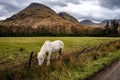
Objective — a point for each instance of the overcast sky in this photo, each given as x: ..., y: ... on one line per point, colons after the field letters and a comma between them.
x: 95, y: 10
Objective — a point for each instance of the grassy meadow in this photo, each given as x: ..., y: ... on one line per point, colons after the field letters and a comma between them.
x: 15, y: 50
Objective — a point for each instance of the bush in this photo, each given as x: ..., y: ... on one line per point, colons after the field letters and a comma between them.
x: 21, y: 49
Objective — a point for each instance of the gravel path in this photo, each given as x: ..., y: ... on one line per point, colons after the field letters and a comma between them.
x: 111, y: 72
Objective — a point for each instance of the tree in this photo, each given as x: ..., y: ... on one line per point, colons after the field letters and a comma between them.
x: 111, y: 27
x: 107, y: 29
x: 114, y: 26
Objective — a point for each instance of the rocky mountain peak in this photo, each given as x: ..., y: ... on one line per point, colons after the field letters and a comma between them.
x: 34, y: 10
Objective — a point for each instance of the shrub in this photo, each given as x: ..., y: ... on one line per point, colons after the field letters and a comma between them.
x: 21, y: 49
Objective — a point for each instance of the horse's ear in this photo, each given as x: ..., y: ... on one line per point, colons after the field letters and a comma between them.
x: 47, y: 53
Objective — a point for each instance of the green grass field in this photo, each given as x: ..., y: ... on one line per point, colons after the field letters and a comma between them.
x: 14, y: 50
x: 17, y: 49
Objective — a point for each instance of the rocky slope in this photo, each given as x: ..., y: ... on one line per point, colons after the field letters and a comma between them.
x: 67, y: 16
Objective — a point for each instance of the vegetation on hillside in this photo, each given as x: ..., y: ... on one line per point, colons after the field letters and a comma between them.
x: 112, y: 27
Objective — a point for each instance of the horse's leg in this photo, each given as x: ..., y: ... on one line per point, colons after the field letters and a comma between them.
x: 61, y: 53
x: 48, y: 59
x: 57, y: 56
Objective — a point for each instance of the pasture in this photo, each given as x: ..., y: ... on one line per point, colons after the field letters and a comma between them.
x: 15, y: 50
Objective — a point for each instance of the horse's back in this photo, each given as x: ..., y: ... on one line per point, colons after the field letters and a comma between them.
x: 46, y: 42
x: 54, y: 46
x: 58, y: 44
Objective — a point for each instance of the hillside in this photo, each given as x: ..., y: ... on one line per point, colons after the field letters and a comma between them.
x: 34, y: 15
x: 67, y: 16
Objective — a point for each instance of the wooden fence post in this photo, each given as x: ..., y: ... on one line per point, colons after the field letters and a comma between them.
x: 30, y: 59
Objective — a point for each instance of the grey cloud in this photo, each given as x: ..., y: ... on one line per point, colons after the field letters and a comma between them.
x: 89, y: 17
x: 111, y: 4
x: 60, y: 3
x: 2, y: 13
x: 9, y: 7
x: 73, y: 1
x: 55, y: 3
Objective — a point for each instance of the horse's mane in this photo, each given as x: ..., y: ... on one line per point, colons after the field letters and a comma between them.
x: 45, y: 43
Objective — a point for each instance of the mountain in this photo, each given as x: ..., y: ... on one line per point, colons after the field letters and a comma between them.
x: 34, y: 10
x: 39, y: 19
x: 89, y: 23
x: 104, y: 22
x: 86, y: 22
x: 67, y: 16
x: 35, y: 15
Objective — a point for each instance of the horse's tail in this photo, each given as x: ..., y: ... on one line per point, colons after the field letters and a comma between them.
x: 30, y: 59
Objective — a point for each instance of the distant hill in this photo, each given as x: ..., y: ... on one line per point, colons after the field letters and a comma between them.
x: 86, y: 22
x: 104, y: 22
x: 92, y: 24
x: 67, y: 16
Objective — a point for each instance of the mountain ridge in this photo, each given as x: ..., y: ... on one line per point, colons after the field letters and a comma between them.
x: 34, y: 15
x: 39, y: 19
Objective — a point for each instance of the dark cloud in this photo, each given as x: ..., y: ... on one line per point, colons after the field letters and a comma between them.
x: 9, y: 7
x: 2, y: 14
x: 90, y: 17
x: 111, y: 4
x: 54, y: 3
x: 73, y: 1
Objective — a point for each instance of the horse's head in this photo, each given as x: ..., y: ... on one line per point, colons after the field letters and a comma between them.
x: 40, y: 58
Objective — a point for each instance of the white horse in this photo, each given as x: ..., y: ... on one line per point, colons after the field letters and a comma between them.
x: 47, y: 49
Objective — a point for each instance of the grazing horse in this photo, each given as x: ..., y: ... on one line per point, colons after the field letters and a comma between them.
x: 47, y: 49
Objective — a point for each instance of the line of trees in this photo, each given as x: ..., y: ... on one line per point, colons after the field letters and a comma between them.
x: 112, y: 27
x: 58, y: 30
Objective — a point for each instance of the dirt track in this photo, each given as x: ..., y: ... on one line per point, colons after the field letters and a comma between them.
x: 111, y: 72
